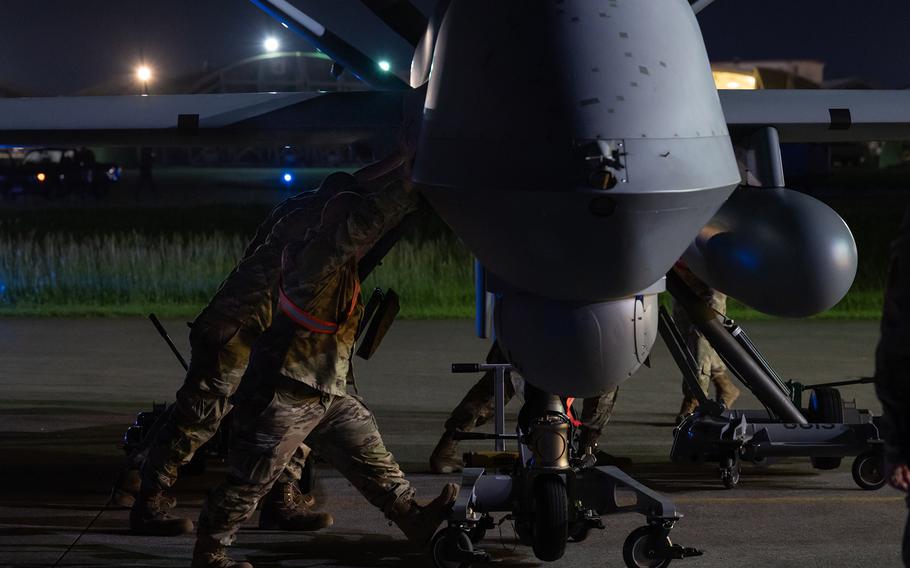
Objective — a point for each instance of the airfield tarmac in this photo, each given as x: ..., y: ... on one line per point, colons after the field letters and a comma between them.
x: 71, y: 387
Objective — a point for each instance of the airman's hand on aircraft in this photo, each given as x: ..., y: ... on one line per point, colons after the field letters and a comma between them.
x: 899, y: 476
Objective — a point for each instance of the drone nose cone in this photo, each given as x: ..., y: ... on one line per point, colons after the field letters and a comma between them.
x: 578, y: 245
x: 778, y: 251
x: 576, y: 147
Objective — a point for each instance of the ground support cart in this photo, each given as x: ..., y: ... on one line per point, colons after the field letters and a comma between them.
x: 826, y: 431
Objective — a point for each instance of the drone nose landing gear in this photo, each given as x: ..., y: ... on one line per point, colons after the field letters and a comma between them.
x: 552, y: 492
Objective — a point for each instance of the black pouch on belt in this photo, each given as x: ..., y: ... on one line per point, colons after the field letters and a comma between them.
x: 378, y: 317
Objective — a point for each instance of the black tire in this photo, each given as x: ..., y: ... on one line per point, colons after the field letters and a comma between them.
x: 442, y: 547
x: 827, y: 407
x: 869, y: 471
x: 730, y: 475
x: 637, y: 550
x: 551, y: 517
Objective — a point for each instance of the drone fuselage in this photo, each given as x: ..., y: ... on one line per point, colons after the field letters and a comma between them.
x: 577, y: 148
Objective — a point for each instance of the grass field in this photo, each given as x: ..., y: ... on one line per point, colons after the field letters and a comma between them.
x: 133, y: 274
x: 130, y: 261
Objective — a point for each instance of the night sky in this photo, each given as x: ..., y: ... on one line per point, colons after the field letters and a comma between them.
x: 53, y: 47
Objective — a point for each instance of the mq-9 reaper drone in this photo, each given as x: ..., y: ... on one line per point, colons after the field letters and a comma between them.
x: 579, y: 148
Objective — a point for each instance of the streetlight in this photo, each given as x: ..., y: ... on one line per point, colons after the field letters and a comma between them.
x: 271, y: 44
x: 385, y: 66
x: 144, y: 75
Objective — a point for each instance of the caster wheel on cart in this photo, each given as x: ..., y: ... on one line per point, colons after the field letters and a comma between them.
x: 447, y: 544
x: 869, y: 471
x: 641, y: 546
x: 551, y: 518
x: 729, y: 473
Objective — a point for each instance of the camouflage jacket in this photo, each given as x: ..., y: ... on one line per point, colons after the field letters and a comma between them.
x: 247, y: 295
x: 320, y: 292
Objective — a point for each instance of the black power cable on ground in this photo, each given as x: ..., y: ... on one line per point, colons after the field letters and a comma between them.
x: 85, y: 530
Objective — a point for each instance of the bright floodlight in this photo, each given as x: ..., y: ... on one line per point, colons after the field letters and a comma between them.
x: 144, y: 73
x: 385, y: 65
x: 288, y: 178
x: 271, y: 44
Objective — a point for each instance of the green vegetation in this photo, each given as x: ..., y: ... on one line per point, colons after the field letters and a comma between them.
x: 134, y: 274
x: 129, y: 261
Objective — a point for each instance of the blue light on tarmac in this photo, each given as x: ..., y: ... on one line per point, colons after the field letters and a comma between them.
x: 288, y: 178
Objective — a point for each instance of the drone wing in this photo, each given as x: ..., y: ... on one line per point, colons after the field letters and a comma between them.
x: 343, y: 52
x: 820, y: 115
x: 207, y: 119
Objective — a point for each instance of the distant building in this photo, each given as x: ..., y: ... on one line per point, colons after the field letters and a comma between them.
x: 769, y: 74
x: 804, y: 159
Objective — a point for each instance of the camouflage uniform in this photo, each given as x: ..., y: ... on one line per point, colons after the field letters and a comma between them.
x: 222, y: 335
x: 708, y: 363
x: 300, y: 367
x: 478, y: 405
x: 892, y: 359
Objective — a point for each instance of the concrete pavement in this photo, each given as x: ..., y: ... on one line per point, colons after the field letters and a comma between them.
x: 70, y: 387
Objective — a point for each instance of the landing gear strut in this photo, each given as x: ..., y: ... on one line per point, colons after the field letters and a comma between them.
x: 553, y: 493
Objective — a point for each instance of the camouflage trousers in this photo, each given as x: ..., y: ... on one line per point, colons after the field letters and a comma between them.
x: 270, y: 426
x: 708, y: 363
x: 220, y: 352
x: 478, y: 405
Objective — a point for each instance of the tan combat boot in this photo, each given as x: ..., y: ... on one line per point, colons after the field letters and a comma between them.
x: 689, y: 404
x: 419, y: 523
x: 149, y: 516
x: 210, y: 554
x: 727, y: 393
x: 126, y: 490
x: 286, y: 508
x: 445, y: 458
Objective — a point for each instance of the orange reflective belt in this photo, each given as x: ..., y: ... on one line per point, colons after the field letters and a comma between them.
x: 302, y: 318
x: 569, y: 401
x: 355, y: 297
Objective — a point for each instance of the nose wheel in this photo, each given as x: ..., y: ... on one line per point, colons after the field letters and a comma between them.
x: 551, y: 520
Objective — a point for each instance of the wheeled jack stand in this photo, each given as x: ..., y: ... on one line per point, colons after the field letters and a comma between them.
x: 551, y: 493
x: 827, y: 431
